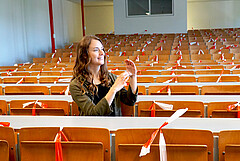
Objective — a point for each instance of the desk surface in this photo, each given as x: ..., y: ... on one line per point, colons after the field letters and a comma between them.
x: 113, y: 123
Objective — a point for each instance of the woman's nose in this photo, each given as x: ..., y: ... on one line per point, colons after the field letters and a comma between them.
x: 101, y: 52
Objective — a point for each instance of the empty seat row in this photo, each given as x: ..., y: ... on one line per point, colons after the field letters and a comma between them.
x: 85, y: 143
x: 163, y: 89
x: 144, y: 108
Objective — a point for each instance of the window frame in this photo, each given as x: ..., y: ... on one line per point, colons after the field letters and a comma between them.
x: 150, y: 14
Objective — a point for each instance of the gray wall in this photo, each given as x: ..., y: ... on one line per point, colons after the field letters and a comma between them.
x: 205, y: 14
x: 176, y: 23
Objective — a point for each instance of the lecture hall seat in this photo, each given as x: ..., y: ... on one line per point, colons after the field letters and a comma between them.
x: 4, y: 150
x: 58, y: 90
x: 25, y: 80
x: 3, y: 107
x: 219, y: 110
x: 229, y: 145
x: 175, y: 90
x: 195, y: 108
x: 7, y: 134
x: 228, y: 78
x: 26, y: 90
x: 220, y: 90
x: 93, y: 135
x: 182, y: 144
x: 54, y: 108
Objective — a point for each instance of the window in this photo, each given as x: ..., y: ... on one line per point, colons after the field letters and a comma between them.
x: 149, y: 7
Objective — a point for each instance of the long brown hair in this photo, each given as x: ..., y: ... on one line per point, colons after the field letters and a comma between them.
x: 82, y: 62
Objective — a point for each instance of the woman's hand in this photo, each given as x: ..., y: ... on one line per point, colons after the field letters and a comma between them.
x: 130, y: 67
x: 117, y: 86
x: 120, y: 82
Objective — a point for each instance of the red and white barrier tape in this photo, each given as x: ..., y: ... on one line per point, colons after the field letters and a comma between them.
x: 5, y: 124
x: 162, y: 144
x: 237, y: 106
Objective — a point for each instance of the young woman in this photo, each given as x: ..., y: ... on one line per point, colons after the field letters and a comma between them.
x: 95, y: 90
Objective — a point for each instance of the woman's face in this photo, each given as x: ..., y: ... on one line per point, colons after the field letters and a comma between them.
x: 96, y: 52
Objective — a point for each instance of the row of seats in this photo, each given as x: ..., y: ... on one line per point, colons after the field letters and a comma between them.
x: 33, y: 90
x: 142, y: 109
x: 178, y: 77
x: 54, y: 60
x: 165, y: 55
x: 141, y: 72
x: 163, y: 89
x: 170, y: 89
x: 151, y: 43
x: 37, y: 143
x: 159, y: 65
x: 173, y: 57
x: 38, y: 67
x: 182, y: 41
x: 195, y: 109
x: 172, y: 72
x: 34, y: 80
x: 235, y: 50
x: 39, y: 107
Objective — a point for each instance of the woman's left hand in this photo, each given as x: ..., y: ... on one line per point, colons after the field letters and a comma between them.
x: 130, y: 67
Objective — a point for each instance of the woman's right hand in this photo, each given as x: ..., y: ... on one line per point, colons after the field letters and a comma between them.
x: 121, y: 81
x: 117, y: 86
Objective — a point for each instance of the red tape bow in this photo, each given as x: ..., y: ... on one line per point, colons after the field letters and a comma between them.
x: 236, y: 66
x: 220, y: 77
x: 65, y: 91
x: 162, y: 144
x: 155, y: 58
x: 21, y: 80
x: 58, y: 146
x: 213, y: 47
x: 168, y: 89
x: 40, y: 72
x: 159, y: 48
x: 140, y: 71
x: 56, y: 80
x: 153, y: 110
x: 5, y: 124
x: 231, y: 107
x: 42, y: 105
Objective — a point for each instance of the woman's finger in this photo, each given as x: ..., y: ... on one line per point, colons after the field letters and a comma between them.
x: 124, y: 75
x: 128, y: 62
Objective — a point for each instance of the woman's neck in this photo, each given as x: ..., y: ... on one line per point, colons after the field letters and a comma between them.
x: 95, y: 72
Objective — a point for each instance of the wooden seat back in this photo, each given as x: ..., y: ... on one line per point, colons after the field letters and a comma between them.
x: 219, y: 110
x: 26, y: 90
x: 175, y: 90
x: 220, y: 90
x: 215, y: 78
x: 180, y: 144
x: 229, y: 145
x: 7, y: 134
x: 3, y: 107
x: 4, y: 150
x: 195, y: 108
x: 54, y: 107
x: 85, y: 134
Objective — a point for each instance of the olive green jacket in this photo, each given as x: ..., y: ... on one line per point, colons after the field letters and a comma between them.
x: 85, y: 100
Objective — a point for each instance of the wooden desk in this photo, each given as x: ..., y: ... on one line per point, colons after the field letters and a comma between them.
x: 113, y: 123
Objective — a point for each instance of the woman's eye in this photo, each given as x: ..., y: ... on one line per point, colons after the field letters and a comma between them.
x: 96, y: 50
